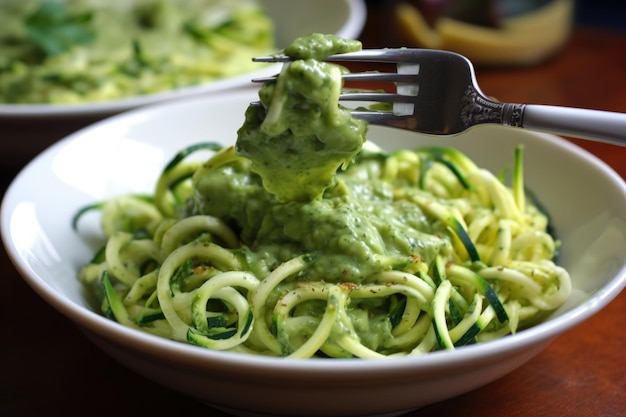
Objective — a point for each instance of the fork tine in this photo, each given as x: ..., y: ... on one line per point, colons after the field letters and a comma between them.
x: 361, y: 76
x: 380, y: 97
x: 381, y: 76
x: 375, y: 117
x: 366, y: 55
x: 264, y: 80
x: 272, y: 58
x: 381, y: 118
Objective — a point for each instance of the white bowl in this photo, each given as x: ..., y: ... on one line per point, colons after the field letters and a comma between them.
x: 125, y: 153
x: 29, y: 128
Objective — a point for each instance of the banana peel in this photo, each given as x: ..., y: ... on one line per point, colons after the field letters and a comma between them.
x: 522, y: 40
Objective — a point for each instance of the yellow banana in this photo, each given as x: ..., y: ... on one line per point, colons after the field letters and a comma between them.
x: 522, y: 40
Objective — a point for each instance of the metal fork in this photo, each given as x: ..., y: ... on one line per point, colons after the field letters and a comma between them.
x: 437, y: 93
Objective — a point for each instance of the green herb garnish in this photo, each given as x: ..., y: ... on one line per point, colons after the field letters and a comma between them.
x: 55, y: 31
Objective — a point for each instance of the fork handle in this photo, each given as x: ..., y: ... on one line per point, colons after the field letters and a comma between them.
x: 598, y: 125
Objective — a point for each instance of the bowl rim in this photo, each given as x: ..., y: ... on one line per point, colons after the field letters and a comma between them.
x: 316, y: 368
x: 167, y: 349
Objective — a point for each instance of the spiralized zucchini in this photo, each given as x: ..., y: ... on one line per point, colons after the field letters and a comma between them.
x: 486, y: 270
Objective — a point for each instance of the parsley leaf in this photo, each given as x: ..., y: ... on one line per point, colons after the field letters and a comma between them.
x: 55, y: 31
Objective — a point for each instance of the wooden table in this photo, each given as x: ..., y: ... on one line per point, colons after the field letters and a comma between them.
x: 47, y: 366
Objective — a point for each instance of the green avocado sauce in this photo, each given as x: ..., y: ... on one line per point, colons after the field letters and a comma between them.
x: 303, y: 137
x: 302, y: 182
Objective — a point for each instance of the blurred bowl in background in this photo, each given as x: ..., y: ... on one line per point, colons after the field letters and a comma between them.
x: 26, y: 129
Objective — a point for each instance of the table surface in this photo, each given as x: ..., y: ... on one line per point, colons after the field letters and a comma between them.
x: 47, y: 365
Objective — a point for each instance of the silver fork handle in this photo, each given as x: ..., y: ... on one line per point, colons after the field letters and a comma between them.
x: 598, y: 125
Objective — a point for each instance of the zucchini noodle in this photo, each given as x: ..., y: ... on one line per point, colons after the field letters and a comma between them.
x: 302, y: 240
x: 488, y: 271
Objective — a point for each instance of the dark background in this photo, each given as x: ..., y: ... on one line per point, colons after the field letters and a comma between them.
x: 601, y: 13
